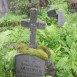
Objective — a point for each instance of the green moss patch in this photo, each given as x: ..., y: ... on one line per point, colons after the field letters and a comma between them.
x: 41, y: 51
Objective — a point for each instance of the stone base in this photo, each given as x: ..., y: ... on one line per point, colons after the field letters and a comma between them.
x: 29, y: 66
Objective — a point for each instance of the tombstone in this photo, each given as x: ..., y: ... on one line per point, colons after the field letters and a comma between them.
x: 27, y: 65
x: 33, y: 24
x: 3, y: 6
x: 61, y: 17
x: 72, y: 5
x: 52, y: 13
x: 0, y: 7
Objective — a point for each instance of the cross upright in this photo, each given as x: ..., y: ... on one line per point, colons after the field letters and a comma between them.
x: 33, y: 24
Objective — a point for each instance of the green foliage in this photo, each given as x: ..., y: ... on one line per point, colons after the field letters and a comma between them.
x: 5, y: 58
x: 4, y: 37
x: 11, y: 20
x: 19, y: 34
x: 63, y: 42
x: 8, y: 52
x: 21, y: 6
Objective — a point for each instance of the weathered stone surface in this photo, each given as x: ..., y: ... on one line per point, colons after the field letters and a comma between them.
x: 61, y: 17
x: 29, y: 66
x: 52, y: 13
x: 50, y: 70
x: 72, y: 5
x: 33, y: 24
x: 3, y: 7
x: 39, y: 24
x: 33, y: 15
x: 0, y: 5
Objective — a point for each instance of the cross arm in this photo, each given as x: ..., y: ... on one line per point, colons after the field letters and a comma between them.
x: 25, y: 23
x: 39, y: 24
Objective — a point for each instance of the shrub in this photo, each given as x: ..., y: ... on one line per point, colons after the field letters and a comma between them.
x: 21, y: 6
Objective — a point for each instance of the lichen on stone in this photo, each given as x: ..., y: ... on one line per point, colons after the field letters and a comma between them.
x: 41, y: 51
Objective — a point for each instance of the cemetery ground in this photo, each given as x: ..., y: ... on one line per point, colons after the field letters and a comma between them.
x: 62, y: 41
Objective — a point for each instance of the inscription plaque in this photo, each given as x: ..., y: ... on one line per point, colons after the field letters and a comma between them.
x: 29, y: 66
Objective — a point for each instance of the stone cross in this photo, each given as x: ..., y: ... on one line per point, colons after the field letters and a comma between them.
x: 33, y: 24
x: 3, y: 7
x: 0, y: 5
x: 5, y: 4
x: 61, y: 17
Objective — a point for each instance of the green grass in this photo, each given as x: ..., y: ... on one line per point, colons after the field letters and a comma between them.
x: 10, y: 19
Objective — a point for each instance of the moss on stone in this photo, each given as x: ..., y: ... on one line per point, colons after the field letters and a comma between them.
x: 40, y: 51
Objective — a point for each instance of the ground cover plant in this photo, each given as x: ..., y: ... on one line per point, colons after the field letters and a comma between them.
x: 62, y: 42
x: 10, y: 19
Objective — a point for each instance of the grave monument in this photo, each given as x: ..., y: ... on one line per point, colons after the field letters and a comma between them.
x: 72, y: 5
x: 52, y: 13
x: 60, y: 16
x: 3, y: 7
x: 61, y: 19
x: 33, y: 24
x: 34, y: 62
